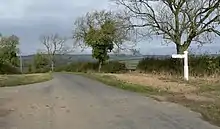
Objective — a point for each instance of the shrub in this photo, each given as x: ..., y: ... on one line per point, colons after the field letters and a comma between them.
x: 198, y: 65
x: 113, y: 67
x: 42, y: 70
x: 8, y: 69
x: 110, y: 67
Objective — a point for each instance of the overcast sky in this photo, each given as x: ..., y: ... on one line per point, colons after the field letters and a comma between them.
x: 29, y: 19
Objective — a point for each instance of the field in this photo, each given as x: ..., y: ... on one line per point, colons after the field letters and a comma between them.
x: 200, y: 94
x: 15, y: 80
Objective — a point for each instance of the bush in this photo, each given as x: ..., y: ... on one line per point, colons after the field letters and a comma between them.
x: 113, y: 67
x: 78, y: 67
x: 110, y: 67
x: 8, y: 69
x: 198, y: 65
x: 42, y: 70
x: 157, y: 65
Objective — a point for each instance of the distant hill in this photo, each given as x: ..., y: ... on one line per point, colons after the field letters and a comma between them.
x: 65, y: 59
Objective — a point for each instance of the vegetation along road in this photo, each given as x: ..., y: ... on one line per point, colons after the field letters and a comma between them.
x: 75, y: 102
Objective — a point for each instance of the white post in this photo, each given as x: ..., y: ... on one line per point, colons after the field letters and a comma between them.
x: 186, y: 66
x: 52, y: 66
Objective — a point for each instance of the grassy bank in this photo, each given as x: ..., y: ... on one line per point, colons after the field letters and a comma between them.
x: 113, y: 81
x: 201, y: 95
x: 16, y: 80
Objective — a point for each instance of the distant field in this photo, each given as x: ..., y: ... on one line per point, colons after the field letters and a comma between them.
x: 16, y: 80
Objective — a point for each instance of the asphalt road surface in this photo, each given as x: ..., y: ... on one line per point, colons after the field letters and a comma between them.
x: 74, y: 102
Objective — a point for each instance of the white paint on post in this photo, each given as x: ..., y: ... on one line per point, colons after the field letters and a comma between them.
x: 178, y: 56
x: 186, y: 66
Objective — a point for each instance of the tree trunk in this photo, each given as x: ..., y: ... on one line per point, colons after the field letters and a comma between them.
x: 100, y: 66
x: 52, y: 66
x: 179, y: 49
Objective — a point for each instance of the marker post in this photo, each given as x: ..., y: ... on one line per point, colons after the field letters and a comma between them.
x: 186, y: 66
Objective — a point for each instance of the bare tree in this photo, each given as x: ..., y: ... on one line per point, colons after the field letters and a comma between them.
x: 135, y: 52
x: 177, y: 21
x: 54, y: 44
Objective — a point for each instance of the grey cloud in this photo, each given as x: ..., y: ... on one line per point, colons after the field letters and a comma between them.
x: 28, y: 19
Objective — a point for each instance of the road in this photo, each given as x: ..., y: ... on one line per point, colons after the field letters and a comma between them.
x: 74, y: 102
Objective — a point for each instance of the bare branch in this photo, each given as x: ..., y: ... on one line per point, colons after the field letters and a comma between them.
x: 180, y: 21
x: 54, y: 44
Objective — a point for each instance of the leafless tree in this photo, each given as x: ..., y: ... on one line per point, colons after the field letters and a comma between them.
x: 54, y: 44
x: 177, y: 21
x: 135, y: 52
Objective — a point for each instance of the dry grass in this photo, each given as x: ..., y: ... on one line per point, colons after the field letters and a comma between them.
x: 198, y: 89
x: 15, y: 80
x: 156, y: 82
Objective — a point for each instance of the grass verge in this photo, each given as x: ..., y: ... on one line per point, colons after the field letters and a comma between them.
x: 113, y: 81
x: 210, y: 110
x: 16, y: 80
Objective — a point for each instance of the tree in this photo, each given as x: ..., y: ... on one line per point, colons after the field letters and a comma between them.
x: 135, y: 52
x: 8, y: 54
x: 54, y: 44
x: 41, y: 62
x: 178, y: 21
x: 101, y: 41
x: 101, y: 31
x: 9, y: 50
x: 30, y: 68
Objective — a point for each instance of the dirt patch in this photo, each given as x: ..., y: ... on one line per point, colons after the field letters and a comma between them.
x: 156, y: 82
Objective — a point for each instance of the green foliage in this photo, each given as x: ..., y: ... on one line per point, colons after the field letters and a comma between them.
x: 207, y: 65
x: 109, y: 67
x: 101, y: 40
x: 198, y: 65
x: 8, y: 69
x: 77, y: 67
x: 113, y: 67
x: 101, y: 30
x: 40, y: 63
x: 30, y: 68
x: 8, y: 54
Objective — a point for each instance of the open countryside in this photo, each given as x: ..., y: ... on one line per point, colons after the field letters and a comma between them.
x: 116, y: 86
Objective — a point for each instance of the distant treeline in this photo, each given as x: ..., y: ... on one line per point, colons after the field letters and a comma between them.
x: 109, y: 67
x: 198, y: 66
